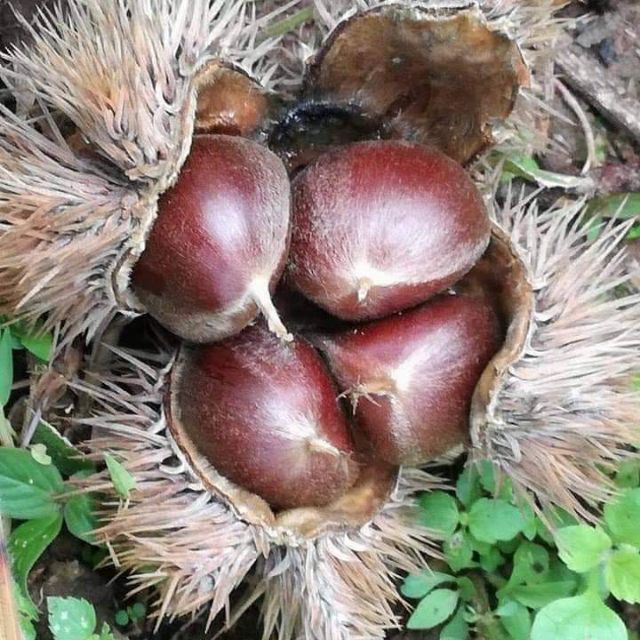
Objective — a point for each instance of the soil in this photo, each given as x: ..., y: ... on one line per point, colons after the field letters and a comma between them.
x: 612, y: 33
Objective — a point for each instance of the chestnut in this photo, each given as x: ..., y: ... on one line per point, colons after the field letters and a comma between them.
x: 265, y: 414
x: 381, y: 226
x: 218, y: 245
x: 411, y: 377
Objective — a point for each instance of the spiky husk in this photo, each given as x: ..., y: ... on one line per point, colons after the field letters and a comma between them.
x: 561, y: 415
x: 174, y: 535
x: 131, y: 97
x: 565, y: 413
x: 68, y: 220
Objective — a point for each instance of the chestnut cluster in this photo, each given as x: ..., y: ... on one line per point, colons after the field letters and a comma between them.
x: 370, y: 245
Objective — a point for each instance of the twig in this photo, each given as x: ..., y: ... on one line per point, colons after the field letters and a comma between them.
x: 569, y: 98
x: 9, y: 620
x: 585, y: 75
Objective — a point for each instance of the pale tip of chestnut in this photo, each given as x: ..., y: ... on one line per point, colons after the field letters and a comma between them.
x: 364, y: 284
x: 260, y: 294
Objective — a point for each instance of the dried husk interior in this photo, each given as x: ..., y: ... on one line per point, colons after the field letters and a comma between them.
x: 502, y: 274
x: 439, y: 77
x: 230, y: 102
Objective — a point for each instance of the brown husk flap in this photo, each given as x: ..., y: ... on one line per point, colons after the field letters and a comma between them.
x: 353, y: 510
x: 232, y: 103
x: 439, y: 78
x: 502, y: 275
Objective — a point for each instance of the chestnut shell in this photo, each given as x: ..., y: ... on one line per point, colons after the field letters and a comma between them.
x: 219, y: 243
x: 354, y: 508
x: 381, y: 226
x: 267, y: 416
x: 411, y: 376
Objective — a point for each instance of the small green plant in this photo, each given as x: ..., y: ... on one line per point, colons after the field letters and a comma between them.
x: 37, y: 489
x: 133, y: 613
x: 508, y: 577
x: 75, y: 619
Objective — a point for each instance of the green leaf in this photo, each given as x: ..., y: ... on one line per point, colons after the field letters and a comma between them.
x: 433, y: 609
x: 579, y: 618
x: 536, y: 596
x: 516, y: 619
x: 458, y: 551
x: 418, y: 586
x: 39, y: 454
x: 457, y: 628
x: 622, y: 575
x: 289, y: 23
x: 557, y: 518
x: 63, y: 454
x: 622, y: 518
x: 41, y: 346
x: 28, y: 542
x: 581, y: 547
x: 530, y: 564
x: 439, y: 512
x: 27, y: 488
x: 466, y: 588
x: 26, y: 607
x: 468, y: 486
x: 493, y: 481
x: 7, y: 434
x: 529, y: 518
x: 71, y: 618
x: 105, y: 633
x: 137, y: 611
x: 526, y: 167
x: 79, y: 516
x: 628, y: 475
x: 508, y: 547
x: 491, y: 520
x: 623, y: 206
x: 39, y: 343
x: 6, y: 366
x: 122, y: 618
x: 122, y: 480
x: 491, y: 560
x: 27, y: 628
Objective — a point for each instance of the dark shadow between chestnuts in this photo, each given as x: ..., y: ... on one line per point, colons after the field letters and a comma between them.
x: 310, y: 129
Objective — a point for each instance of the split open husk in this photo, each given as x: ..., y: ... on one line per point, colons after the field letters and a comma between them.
x: 552, y: 410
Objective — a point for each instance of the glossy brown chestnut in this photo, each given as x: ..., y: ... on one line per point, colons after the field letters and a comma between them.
x: 411, y: 377
x: 381, y: 226
x: 265, y: 414
x: 219, y: 242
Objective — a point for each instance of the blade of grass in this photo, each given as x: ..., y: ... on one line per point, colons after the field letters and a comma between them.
x: 284, y: 26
